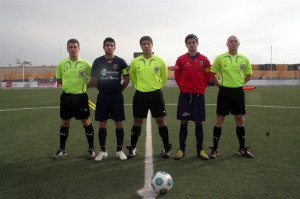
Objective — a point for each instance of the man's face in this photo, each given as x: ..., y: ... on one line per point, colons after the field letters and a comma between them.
x: 73, y: 49
x: 146, y: 46
x: 233, y: 43
x: 192, y: 45
x: 109, y: 48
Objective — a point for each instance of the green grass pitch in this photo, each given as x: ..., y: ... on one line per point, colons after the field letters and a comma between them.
x: 29, y: 125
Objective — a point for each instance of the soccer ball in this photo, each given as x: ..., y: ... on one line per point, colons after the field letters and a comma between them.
x: 161, y: 182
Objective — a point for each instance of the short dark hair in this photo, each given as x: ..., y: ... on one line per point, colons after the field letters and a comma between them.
x: 191, y: 36
x: 146, y: 38
x: 73, y: 41
x: 108, y: 39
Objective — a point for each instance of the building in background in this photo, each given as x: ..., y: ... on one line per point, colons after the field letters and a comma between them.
x: 44, y: 76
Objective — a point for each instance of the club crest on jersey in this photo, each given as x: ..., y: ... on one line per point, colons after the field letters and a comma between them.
x: 201, y: 62
x: 156, y: 69
x: 242, y: 66
x: 115, y: 66
x: 103, y: 72
x: 81, y: 73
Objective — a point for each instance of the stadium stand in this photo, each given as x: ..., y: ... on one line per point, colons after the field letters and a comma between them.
x: 47, y: 73
x: 35, y: 73
x: 262, y: 71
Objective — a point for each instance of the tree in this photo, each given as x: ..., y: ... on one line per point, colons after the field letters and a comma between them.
x: 22, y: 63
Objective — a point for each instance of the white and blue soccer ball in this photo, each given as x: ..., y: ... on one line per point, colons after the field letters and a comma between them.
x: 161, y: 182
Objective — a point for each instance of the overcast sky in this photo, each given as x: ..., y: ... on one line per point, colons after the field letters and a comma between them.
x: 39, y: 30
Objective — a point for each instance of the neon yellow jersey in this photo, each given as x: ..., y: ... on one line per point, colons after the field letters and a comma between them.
x: 148, y: 74
x: 232, y: 69
x: 74, y: 75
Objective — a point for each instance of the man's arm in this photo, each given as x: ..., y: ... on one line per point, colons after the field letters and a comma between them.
x: 207, y: 72
x: 215, y: 80
x: 90, y: 84
x: 125, y: 81
x: 59, y: 81
x: 177, y: 72
x: 164, y: 73
x: 132, y: 73
x: 247, y: 78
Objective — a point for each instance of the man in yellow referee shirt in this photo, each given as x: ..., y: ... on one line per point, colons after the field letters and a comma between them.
x: 234, y: 70
x: 148, y: 74
x: 73, y: 74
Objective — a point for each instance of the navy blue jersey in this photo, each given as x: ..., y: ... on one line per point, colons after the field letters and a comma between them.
x: 108, y: 74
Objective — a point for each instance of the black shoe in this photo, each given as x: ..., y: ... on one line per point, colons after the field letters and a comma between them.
x: 244, y: 152
x: 214, y: 153
x: 91, y: 154
x: 60, y: 153
x: 132, y: 152
x: 166, y: 151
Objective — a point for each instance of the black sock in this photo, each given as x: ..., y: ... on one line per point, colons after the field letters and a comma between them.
x: 164, y: 134
x: 217, y: 135
x: 182, y: 136
x: 89, y: 132
x: 240, y: 132
x: 199, y: 136
x: 63, y: 136
x: 120, y: 138
x: 135, y: 134
x: 102, y: 138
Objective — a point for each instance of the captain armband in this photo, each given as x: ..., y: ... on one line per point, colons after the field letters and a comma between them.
x: 206, y: 70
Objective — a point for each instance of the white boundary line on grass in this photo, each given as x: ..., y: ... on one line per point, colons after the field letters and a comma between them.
x: 260, y: 106
x: 24, y: 109
x: 147, y: 192
x: 266, y: 106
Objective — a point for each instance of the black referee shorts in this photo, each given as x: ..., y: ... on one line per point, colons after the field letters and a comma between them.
x: 74, y: 105
x: 231, y: 100
x: 144, y: 101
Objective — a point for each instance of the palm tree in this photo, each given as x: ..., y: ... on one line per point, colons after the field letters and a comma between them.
x: 22, y: 63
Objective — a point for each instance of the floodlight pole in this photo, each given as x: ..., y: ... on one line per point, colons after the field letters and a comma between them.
x: 271, y: 65
x: 1, y: 74
x: 22, y: 62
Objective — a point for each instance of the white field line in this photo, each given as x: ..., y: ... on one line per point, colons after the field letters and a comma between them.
x: 282, y: 107
x: 24, y: 109
x: 259, y: 106
x: 147, y: 192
